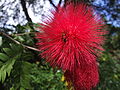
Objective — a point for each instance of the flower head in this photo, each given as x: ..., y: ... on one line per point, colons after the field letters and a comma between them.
x: 71, y: 37
x: 83, y: 78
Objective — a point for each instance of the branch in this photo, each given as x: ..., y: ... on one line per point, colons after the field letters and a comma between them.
x: 23, y: 3
x: 25, y: 46
x: 65, y: 2
x: 20, y: 34
x: 32, y: 48
x: 10, y: 37
x: 60, y: 1
x: 53, y: 4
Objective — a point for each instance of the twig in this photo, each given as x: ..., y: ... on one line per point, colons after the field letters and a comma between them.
x: 60, y: 1
x: 25, y: 46
x: 32, y: 48
x: 53, y: 4
x: 65, y: 2
x: 23, y: 3
x: 20, y: 34
x: 10, y: 38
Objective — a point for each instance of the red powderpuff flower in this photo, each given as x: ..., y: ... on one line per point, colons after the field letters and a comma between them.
x: 82, y: 78
x: 71, y: 37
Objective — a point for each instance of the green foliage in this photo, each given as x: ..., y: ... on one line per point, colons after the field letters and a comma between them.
x: 110, y: 62
x: 21, y: 68
x: 8, y: 58
x: 109, y: 73
x: 44, y: 77
x: 14, y: 68
x: 21, y: 76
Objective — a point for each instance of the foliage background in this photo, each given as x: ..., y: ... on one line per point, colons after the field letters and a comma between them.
x: 21, y: 67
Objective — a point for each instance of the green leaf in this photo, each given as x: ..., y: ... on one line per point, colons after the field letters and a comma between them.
x: 1, y: 63
x: 19, y: 38
x: 25, y: 78
x: 16, y: 48
x: 6, y: 69
x: 12, y: 88
x: 2, y: 74
x: 8, y: 51
x: 9, y: 66
x: 21, y: 88
x: 3, y: 57
x: 22, y: 73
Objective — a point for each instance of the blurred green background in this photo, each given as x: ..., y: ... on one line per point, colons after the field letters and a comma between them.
x: 21, y: 67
